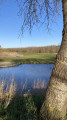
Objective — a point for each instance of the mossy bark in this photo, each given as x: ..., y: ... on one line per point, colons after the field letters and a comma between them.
x: 55, y: 104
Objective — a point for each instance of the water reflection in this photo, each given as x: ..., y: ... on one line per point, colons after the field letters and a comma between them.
x: 26, y: 78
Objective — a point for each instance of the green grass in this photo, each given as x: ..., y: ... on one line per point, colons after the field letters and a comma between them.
x: 26, y: 107
x: 23, y: 108
x: 32, y: 58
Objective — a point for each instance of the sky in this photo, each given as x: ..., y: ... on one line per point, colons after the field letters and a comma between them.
x: 10, y: 29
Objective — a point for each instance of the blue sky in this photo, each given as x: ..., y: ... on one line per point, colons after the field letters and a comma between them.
x: 10, y: 29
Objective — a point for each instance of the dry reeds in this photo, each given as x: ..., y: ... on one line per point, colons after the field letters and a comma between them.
x: 7, y: 92
x: 39, y: 84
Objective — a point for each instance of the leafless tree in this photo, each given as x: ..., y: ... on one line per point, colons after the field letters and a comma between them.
x: 45, y: 11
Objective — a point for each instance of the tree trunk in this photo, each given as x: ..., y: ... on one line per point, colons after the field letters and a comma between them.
x: 55, y: 105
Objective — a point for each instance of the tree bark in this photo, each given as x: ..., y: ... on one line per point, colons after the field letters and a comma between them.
x: 55, y: 104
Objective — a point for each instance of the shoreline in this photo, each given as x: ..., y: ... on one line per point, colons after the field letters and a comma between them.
x: 8, y: 64
x: 13, y: 64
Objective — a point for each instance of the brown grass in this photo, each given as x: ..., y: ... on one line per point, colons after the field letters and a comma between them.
x: 9, y: 55
x: 6, y: 94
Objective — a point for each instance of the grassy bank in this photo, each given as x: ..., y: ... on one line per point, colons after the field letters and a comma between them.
x: 20, y: 107
x: 24, y: 107
x: 31, y: 58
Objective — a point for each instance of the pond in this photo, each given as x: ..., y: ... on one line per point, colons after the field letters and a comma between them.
x: 27, y: 78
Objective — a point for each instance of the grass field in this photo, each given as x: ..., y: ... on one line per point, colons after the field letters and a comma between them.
x: 21, y: 107
x: 30, y: 58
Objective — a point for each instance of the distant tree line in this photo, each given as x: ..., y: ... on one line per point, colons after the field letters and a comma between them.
x: 46, y: 49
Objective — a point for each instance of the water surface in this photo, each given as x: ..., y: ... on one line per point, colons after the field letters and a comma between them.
x: 27, y: 76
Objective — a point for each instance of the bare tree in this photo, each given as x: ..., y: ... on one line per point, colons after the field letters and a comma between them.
x: 44, y: 11
x: 38, y: 11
